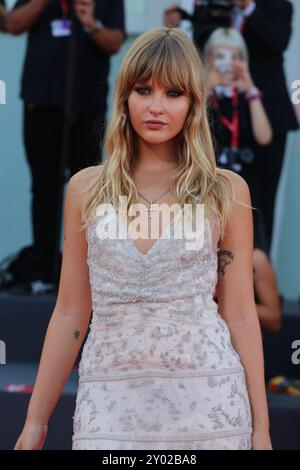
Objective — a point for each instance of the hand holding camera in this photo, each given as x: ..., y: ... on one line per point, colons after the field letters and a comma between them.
x: 216, y: 10
x: 220, y: 71
x: 85, y: 11
x: 172, y: 16
x: 242, y: 78
x: 214, y: 78
x: 227, y: 69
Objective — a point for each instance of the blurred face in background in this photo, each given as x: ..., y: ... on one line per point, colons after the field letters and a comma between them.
x: 223, y: 58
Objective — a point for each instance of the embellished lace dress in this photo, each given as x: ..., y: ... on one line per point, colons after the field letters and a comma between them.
x: 158, y: 369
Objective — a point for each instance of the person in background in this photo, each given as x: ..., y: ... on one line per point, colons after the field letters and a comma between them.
x: 238, y: 117
x: 266, y: 26
x: 268, y: 300
x: 2, y: 16
x: 98, y: 28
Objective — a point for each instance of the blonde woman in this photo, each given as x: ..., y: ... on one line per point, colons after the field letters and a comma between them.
x: 239, y: 121
x: 226, y: 61
x: 163, y: 366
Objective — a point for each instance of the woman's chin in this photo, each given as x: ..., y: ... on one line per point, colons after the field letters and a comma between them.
x: 156, y: 139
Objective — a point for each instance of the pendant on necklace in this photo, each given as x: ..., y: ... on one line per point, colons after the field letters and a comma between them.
x: 150, y: 210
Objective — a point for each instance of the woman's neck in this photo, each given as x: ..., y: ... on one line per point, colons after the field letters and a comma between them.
x: 156, y: 158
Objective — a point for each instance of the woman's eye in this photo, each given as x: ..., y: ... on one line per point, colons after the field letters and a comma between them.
x: 146, y: 91
x: 174, y: 93
x: 142, y: 90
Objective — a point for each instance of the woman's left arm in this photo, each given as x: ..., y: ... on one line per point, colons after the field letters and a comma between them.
x: 260, y: 123
x: 236, y: 305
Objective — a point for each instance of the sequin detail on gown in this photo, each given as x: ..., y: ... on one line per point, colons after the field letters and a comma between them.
x: 158, y: 369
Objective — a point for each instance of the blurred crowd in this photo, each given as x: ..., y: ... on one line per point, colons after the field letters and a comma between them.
x: 64, y: 91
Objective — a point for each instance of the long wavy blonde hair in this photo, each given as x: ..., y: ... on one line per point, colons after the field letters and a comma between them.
x: 170, y: 58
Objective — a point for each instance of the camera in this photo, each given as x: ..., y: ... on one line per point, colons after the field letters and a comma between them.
x: 224, y: 69
x: 223, y: 59
x: 208, y: 15
x: 214, y: 12
x: 217, y: 12
x: 234, y: 159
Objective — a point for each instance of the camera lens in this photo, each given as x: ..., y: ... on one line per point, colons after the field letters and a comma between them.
x: 246, y: 155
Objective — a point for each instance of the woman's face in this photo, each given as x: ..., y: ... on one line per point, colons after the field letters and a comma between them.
x: 223, y: 59
x: 157, y: 114
x: 224, y: 55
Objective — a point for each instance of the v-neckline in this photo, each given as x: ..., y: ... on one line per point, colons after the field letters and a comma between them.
x: 155, y: 244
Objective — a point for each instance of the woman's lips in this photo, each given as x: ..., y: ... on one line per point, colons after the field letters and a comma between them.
x: 154, y: 124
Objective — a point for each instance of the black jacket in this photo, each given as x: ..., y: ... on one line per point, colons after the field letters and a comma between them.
x: 44, y: 78
x: 267, y: 33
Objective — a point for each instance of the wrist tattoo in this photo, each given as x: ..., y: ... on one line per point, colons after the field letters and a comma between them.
x: 225, y: 257
x: 76, y: 334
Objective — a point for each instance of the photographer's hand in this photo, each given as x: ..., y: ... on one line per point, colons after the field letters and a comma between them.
x: 213, y: 78
x: 107, y: 39
x: 243, y: 80
x: 85, y: 11
x: 172, y: 17
x: 261, y: 126
x: 23, y: 18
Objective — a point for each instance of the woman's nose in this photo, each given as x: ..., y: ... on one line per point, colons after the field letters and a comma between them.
x: 157, y: 103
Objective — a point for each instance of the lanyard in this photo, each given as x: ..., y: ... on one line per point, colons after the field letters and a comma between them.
x: 234, y: 125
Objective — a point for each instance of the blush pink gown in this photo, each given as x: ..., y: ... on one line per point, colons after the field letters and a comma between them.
x: 158, y: 369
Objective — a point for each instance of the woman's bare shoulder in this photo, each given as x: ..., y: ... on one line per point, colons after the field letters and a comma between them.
x: 237, y: 181
x: 84, y: 179
x: 241, y: 190
x: 88, y: 175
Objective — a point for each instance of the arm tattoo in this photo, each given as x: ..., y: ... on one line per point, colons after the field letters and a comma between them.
x: 224, y: 258
x: 76, y: 334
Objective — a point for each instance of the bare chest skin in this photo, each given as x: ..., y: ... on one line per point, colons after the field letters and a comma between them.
x: 151, y: 188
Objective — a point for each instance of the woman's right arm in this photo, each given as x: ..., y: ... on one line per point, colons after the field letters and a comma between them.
x: 24, y: 17
x: 68, y: 325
